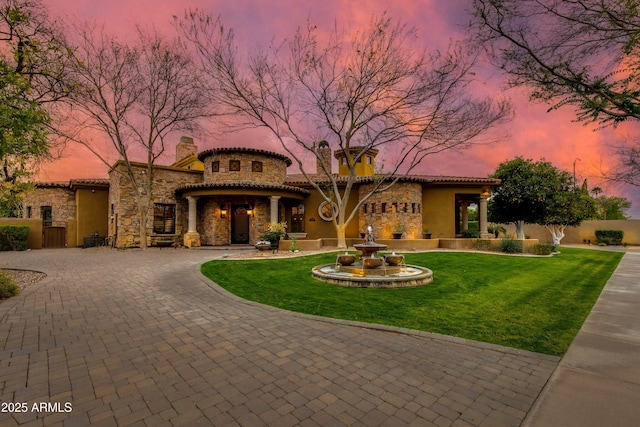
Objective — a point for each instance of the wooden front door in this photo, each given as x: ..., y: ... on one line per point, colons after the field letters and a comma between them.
x: 239, y: 224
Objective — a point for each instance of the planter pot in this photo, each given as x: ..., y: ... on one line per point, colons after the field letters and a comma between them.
x: 397, y: 236
x: 372, y: 262
x: 274, y: 244
x: 427, y: 235
x: 263, y: 247
x: 164, y: 243
x: 346, y: 259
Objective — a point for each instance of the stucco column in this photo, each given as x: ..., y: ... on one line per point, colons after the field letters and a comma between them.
x: 192, y: 237
x: 274, y: 208
x: 464, y: 213
x: 484, y: 233
x: 192, y: 214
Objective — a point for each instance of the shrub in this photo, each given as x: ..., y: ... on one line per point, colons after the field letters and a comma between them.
x: 471, y: 233
x: 7, y: 287
x: 13, y: 237
x: 510, y: 245
x: 609, y: 237
x: 543, y: 249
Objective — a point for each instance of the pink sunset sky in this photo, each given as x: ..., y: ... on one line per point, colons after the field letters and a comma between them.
x: 533, y: 132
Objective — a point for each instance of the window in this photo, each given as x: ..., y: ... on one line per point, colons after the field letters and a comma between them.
x: 215, y: 166
x: 234, y: 165
x: 256, y: 166
x: 29, y: 214
x: 373, y: 208
x: 369, y: 160
x: 47, y: 216
x: 384, y: 208
x: 364, y: 208
x: 164, y: 218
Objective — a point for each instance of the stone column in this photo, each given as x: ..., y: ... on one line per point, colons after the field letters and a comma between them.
x: 274, y: 208
x: 192, y: 237
x: 484, y: 233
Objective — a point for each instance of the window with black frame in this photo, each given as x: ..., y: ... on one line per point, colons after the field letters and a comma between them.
x: 164, y: 218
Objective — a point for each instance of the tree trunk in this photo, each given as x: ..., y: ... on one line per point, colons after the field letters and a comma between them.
x: 557, y: 232
x: 520, y: 230
x: 143, y: 227
x: 341, y: 234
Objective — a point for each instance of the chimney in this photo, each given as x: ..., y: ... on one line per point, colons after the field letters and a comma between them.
x: 323, y: 156
x: 185, y: 148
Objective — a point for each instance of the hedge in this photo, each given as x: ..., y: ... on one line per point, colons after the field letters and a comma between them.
x: 609, y: 237
x: 13, y: 237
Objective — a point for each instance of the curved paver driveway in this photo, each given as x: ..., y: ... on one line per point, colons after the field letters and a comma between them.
x: 119, y: 338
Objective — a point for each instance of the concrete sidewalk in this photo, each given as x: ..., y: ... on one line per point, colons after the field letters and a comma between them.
x: 597, y: 382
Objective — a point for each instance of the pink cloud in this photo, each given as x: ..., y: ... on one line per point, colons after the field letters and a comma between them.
x: 533, y: 133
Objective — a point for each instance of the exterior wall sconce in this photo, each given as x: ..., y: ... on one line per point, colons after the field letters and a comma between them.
x: 250, y: 212
x: 223, y: 213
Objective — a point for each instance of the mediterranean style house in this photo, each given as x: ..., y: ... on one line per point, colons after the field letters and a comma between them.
x: 228, y: 196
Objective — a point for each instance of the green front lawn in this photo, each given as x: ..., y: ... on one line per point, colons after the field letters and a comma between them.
x: 536, y: 304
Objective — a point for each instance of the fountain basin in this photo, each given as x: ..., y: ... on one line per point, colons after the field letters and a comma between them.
x: 370, y: 248
x: 356, y: 276
x: 394, y: 259
x: 346, y: 259
x: 372, y: 262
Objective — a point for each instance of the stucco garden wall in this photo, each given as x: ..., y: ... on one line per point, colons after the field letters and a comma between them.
x: 585, y: 232
x: 34, y: 238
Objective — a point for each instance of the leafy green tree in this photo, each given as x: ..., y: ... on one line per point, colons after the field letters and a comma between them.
x: 613, y: 207
x: 519, y: 199
x: 23, y: 138
x: 538, y: 193
x: 567, y: 207
x: 34, y: 74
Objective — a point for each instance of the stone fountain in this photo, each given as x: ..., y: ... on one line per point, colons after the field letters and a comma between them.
x: 373, y: 271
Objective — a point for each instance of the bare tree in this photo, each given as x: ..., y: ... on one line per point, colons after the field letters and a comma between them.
x: 584, y: 54
x: 375, y: 90
x: 134, y: 95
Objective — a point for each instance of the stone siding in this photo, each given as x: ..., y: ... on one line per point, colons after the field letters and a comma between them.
x: 274, y: 170
x: 122, y: 198
x: 61, y: 199
x: 396, y: 208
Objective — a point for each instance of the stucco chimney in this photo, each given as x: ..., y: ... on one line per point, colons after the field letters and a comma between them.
x: 185, y: 148
x: 323, y: 152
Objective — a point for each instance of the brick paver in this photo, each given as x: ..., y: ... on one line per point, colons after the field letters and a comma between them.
x: 141, y: 338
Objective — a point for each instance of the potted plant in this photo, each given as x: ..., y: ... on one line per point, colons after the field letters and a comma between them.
x: 427, y: 234
x: 399, y: 230
x: 274, y: 233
